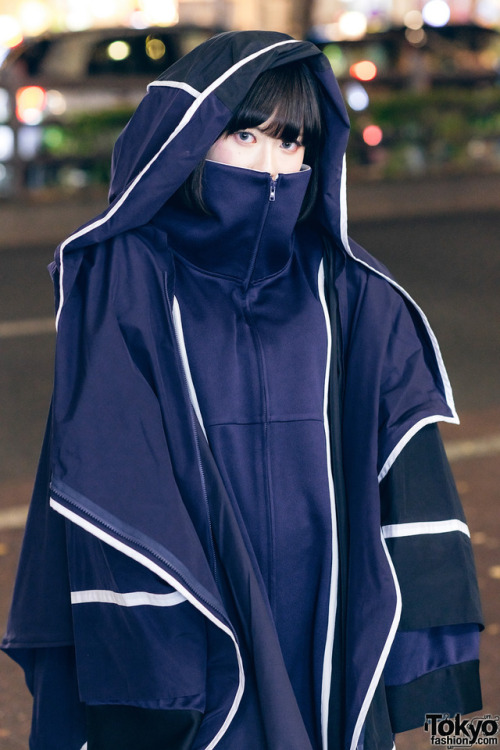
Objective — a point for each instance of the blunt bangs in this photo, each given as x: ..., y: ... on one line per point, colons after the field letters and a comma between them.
x: 287, y: 97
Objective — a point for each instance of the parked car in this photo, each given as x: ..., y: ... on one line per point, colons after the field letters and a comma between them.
x: 420, y: 100
x: 426, y: 57
x: 64, y: 98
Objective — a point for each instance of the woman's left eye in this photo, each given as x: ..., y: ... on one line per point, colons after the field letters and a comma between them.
x: 291, y: 146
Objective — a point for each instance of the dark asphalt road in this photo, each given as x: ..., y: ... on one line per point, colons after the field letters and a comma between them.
x: 451, y: 266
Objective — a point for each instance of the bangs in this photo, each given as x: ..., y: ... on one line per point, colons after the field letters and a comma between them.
x: 287, y: 97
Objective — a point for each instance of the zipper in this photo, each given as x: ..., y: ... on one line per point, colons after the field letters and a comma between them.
x: 266, y: 207
x: 272, y: 190
x: 135, y: 544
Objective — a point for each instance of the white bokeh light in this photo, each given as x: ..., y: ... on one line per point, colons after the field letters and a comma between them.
x: 352, y: 24
x: 436, y: 13
x: 162, y: 12
x: 356, y: 96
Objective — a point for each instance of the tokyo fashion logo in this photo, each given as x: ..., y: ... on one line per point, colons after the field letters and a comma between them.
x: 447, y: 731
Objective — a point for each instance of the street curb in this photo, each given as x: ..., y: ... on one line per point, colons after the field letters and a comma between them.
x: 48, y: 221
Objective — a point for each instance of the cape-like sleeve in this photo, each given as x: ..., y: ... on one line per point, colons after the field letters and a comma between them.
x: 409, y: 552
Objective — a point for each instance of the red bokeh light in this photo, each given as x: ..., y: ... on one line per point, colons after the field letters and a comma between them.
x: 372, y: 135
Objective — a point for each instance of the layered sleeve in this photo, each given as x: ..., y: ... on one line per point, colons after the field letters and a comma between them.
x: 433, y: 664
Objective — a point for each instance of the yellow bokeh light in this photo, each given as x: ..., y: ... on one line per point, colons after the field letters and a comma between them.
x: 34, y: 17
x: 155, y: 49
x: 10, y: 31
x: 118, y: 50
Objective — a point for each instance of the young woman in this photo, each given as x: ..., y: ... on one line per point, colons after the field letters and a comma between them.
x: 244, y: 532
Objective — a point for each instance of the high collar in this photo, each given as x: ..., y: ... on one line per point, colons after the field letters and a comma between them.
x: 248, y: 234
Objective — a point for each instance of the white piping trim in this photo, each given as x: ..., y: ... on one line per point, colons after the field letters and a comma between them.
x: 344, y: 234
x: 176, y: 315
x: 176, y: 85
x: 437, y: 351
x: 180, y: 126
x: 383, y: 656
x: 150, y: 565
x: 424, y: 527
x: 332, y: 607
x: 395, y: 452
x: 130, y: 599
x: 408, y: 436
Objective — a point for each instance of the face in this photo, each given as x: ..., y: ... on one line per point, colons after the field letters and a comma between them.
x: 253, y: 149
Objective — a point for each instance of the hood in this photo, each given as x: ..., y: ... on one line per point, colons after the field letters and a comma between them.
x: 184, y: 112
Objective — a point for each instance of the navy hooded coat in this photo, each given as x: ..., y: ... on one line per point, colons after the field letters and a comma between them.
x: 243, y: 507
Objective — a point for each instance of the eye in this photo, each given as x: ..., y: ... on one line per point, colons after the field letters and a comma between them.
x: 291, y: 146
x: 244, y: 136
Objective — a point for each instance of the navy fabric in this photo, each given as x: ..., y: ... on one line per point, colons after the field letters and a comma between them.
x: 188, y: 451
x: 261, y: 398
x: 416, y: 653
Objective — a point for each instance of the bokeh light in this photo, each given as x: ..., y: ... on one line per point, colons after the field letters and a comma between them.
x: 413, y: 19
x: 6, y: 143
x: 30, y: 103
x: 55, y: 102
x: 364, y: 70
x: 160, y: 12
x: 5, y: 109
x: 372, y: 135
x: 155, y: 48
x: 356, y: 96
x: 353, y: 24
x: 436, y: 13
x: 336, y: 58
x: 416, y: 37
x: 10, y: 31
x: 34, y: 16
x: 118, y: 50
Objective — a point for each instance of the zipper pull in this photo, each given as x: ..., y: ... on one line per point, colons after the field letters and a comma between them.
x: 272, y: 190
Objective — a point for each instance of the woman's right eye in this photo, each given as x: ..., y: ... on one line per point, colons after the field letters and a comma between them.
x: 244, y: 136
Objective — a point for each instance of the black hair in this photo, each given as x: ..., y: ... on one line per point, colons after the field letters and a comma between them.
x: 287, y: 96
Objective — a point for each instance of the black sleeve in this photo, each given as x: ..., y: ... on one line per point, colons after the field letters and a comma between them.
x: 436, y: 572
x: 438, y: 584
x: 111, y: 727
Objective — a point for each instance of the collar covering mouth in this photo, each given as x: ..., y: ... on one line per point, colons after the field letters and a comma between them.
x: 248, y: 232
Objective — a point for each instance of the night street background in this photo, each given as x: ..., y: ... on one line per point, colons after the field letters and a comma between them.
x: 449, y: 260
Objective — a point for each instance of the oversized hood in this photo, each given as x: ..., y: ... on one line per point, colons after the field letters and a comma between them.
x: 184, y: 112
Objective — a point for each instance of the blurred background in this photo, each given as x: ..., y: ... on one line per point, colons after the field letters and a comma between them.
x: 421, y: 79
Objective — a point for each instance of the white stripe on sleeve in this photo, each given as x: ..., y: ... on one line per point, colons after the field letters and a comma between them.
x: 130, y: 599
x: 424, y: 527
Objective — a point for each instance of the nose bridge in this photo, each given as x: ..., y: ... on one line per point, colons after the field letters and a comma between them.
x: 269, y: 156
